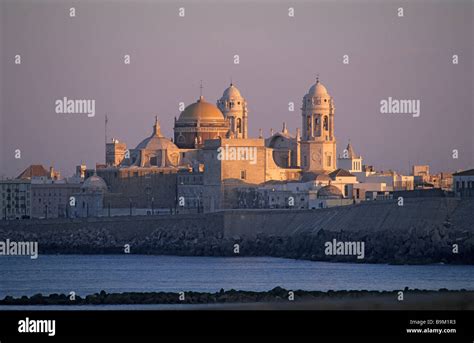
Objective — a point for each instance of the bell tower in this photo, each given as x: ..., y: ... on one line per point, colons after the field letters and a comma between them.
x: 234, y: 107
x: 318, y: 143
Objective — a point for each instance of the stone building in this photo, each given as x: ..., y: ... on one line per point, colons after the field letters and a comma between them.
x: 89, y: 201
x: 52, y: 199
x: 190, y: 191
x: 286, y: 148
x: 146, y: 178
x: 343, y: 180
x: 15, y: 200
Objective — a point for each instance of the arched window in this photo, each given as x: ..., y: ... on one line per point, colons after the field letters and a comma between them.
x: 326, y: 123
x: 239, y: 125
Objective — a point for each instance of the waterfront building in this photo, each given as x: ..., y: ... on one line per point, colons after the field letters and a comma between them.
x: 463, y: 183
x: 15, y: 200
x: 52, y: 199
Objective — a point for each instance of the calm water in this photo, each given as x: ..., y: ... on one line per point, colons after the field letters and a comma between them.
x: 86, y: 274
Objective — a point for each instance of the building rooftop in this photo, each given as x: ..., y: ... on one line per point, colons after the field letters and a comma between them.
x: 34, y: 170
x: 469, y: 172
x: 340, y: 172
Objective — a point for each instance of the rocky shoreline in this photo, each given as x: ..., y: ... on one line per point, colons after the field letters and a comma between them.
x: 278, y: 297
x: 413, y: 246
x: 424, y: 231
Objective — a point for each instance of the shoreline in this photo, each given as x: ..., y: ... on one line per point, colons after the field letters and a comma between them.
x: 277, y: 298
x: 423, y: 231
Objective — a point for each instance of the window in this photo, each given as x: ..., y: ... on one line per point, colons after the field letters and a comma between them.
x: 326, y: 123
x: 243, y: 174
x: 239, y: 125
x: 328, y: 161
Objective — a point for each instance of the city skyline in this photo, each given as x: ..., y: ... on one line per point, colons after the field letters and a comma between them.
x: 278, y: 63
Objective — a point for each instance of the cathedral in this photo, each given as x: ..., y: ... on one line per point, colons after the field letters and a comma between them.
x: 187, y: 171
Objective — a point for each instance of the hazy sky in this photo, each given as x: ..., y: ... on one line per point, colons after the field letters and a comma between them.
x: 406, y: 57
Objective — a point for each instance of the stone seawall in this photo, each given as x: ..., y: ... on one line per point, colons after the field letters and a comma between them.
x: 421, y: 231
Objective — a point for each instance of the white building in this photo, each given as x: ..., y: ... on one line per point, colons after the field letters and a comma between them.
x: 343, y: 180
x: 349, y: 160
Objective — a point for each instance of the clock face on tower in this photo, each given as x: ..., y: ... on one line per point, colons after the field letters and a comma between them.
x: 316, y: 156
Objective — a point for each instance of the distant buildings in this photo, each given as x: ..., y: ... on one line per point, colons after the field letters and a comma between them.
x: 212, y: 164
x: 424, y: 180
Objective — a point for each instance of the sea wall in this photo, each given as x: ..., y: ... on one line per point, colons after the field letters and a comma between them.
x: 423, y: 230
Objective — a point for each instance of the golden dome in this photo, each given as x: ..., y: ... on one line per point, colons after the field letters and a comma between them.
x: 201, y: 110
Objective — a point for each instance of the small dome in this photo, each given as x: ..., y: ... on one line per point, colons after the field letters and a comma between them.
x: 318, y: 90
x: 231, y: 92
x: 330, y: 191
x: 201, y: 110
x: 94, y: 183
x: 156, y: 141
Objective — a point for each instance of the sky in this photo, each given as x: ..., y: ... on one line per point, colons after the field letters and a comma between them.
x: 82, y: 57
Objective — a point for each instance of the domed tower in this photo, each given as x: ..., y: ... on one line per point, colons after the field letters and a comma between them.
x: 318, y: 143
x: 234, y: 108
x: 199, y: 122
x: 155, y: 151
